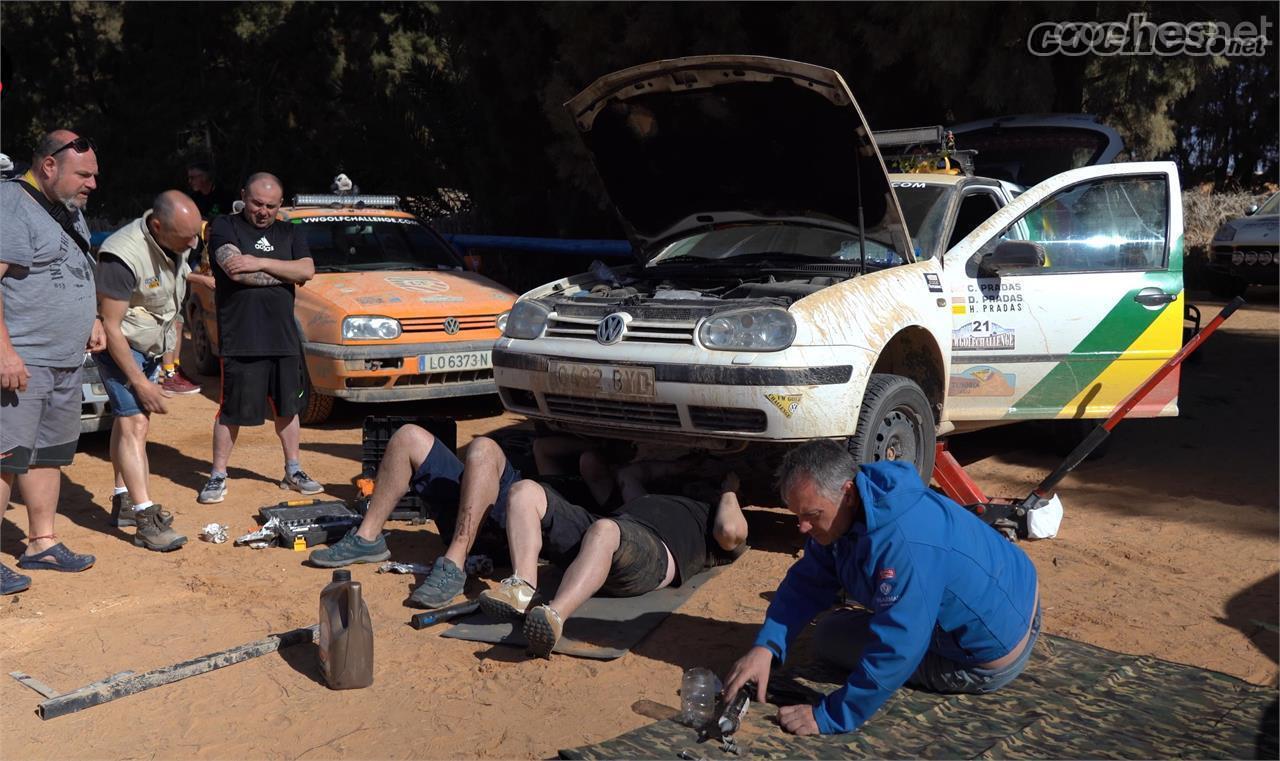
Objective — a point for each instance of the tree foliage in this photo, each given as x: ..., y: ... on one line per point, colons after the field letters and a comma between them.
x: 407, y: 97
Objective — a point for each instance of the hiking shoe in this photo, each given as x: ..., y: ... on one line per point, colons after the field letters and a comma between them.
x: 122, y: 510
x: 12, y: 582
x: 542, y: 627
x: 509, y: 601
x: 350, y: 549
x: 214, y: 490
x: 177, y: 383
x: 444, y: 583
x: 300, y: 481
x: 155, y: 530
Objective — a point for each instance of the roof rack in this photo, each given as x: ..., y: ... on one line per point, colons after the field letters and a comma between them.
x: 353, y: 201
x: 924, y: 150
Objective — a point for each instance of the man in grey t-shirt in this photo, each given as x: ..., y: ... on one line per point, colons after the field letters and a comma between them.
x: 47, y: 321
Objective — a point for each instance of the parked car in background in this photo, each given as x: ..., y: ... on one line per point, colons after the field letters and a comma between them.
x: 1246, y: 250
x: 391, y: 314
x: 780, y: 294
x: 95, y: 407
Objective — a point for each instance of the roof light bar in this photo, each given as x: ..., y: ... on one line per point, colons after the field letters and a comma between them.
x: 358, y: 201
x: 910, y: 136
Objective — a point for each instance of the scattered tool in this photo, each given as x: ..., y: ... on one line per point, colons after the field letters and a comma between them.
x: 127, y: 683
x: 447, y: 613
x: 314, y: 521
x: 1009, y: 516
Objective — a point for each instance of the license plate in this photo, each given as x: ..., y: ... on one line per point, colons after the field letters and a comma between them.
x: 462, y: 360
x: 604, y: 380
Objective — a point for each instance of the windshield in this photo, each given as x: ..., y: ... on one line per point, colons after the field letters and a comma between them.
x: 737, y: 243
x: 924, y: 208
x: 1272, y: 206
x: 356, y: 243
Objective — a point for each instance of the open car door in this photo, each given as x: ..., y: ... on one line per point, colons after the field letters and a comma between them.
x: 1064, y: 301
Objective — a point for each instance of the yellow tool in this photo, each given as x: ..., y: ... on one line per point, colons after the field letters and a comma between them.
x: 299, y: 544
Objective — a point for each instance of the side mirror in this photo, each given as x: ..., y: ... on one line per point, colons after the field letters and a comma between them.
x: 1012, y: 255
x: 1253, y: 209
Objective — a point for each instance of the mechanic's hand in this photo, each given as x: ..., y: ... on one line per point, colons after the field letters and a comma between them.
x: 798, y: 720
x: 752, y: 667
x: 97, y: 337
x: 241, y: 264
x: 13, y: 372
x: 151, y: 396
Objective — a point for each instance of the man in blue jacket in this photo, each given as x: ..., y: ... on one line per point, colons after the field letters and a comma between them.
x: 953, y: 606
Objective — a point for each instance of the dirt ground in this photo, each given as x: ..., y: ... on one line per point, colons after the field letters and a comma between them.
x: 1168, y: 548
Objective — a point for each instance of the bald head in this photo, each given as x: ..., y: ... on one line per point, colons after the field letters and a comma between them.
x: 66, y: 171
x: 175, y: 220
x: 262, y: 195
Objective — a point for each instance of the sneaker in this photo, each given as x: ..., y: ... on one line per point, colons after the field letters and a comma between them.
x: 350, y: 549
x: 214, y: 490
x: 12, y: 582
x: 542, y: 627
x: 444, y: 583
x: 509, y: 601
x: 122, y: 510
x: 155, y: 530
x: 177, y: 383
x: 300, y: 481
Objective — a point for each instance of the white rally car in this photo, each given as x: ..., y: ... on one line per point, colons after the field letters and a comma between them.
x: 780, y: 297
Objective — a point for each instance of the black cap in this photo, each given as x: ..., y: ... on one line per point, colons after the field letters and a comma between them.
x: 342, y: 576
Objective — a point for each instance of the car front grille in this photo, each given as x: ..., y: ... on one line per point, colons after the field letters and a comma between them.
x: 642, y: 331
x: 613, y: 411
x: 467, y: 323
x: 421, y: 379
x: 738, y: 419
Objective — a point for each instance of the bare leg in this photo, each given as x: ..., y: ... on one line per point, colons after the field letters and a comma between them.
x: 587, y: 573
x: 526, y: 506
x: 129, y: 455
x: 40, y: 487
x: 290, y: 432
x: 480, y: 478
x: 224, y: 439
x: 406, y: 451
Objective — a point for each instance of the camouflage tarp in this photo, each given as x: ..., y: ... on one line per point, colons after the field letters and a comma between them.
x: 1073, y: 701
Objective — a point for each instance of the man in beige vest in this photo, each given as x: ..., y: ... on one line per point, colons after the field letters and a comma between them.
x: 142, y: 280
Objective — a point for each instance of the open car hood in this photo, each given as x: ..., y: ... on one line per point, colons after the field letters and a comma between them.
x: 690, y: 143
x: 1028, y: 149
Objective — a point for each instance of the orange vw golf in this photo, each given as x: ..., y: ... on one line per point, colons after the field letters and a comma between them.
x: 391, y: 315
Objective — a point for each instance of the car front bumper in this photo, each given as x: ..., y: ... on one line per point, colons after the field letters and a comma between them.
x: 400, y: 372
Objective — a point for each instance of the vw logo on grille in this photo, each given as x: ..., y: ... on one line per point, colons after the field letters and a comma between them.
x: 611, y: 328
x: 451, y: 325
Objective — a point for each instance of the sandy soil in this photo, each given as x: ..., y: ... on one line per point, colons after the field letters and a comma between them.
x: 1169, y: 548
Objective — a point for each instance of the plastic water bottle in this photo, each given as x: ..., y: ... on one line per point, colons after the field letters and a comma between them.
x: 699, y: 690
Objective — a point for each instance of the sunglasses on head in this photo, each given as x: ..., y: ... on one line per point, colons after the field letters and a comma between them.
x: 79, y: 145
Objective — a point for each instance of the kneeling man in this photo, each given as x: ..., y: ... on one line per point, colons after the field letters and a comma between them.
x: 652, y: 541
x: 953, y: 605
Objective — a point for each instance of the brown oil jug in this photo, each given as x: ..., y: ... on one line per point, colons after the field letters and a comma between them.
x: 346, y: 635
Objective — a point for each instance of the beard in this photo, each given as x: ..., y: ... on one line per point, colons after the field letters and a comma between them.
x: 73, y: 203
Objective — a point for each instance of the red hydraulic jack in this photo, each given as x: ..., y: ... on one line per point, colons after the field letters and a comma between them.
x: 1009, y: 516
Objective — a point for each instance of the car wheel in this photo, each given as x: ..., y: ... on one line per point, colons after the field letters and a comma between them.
x: 206, y: 362
x: 316, y: 408
x: 895, y: 423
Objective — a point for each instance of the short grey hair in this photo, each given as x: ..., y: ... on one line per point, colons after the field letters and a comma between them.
x: 48, y: 143
x: 824, y: 462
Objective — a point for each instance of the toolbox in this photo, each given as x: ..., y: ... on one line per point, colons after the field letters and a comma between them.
x: 316, y: 521
x: 378, y: 430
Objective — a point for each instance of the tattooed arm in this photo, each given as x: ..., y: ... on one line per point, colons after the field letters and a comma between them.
x: 257, y: 270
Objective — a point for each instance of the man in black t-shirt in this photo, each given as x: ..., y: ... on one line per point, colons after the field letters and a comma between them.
x: 652, y: 541
x: 257, y: 260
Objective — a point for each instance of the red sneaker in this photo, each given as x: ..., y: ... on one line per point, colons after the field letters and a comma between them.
x: 177, y: 383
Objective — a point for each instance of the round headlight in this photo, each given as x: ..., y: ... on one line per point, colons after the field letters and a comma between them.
x: 1250, y: 258
x: 1237, y: 258
x: 526, y: 320
x: 1264, y: 258
x: 501, y: 322
x: 770, y: 329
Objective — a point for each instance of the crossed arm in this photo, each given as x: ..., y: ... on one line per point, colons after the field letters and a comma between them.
x: 256, y: 270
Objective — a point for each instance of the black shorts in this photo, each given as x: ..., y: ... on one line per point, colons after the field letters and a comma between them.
x: 639, y: 564
x: 563, y: 527
x: 249, y: 382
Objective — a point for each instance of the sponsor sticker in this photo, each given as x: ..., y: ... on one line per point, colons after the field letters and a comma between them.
x: 993, y: 296
x: 958, y: 305
x: 935, y: 284
x: 982, y: 335
x: 419, y: 284
x: 152, y: 282
x: 369, y: 299
x: 886, y: 573
x: 982, y: 381
x: 787, y: 404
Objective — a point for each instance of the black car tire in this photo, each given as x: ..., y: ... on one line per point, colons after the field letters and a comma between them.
x: 316, y: 408
x: 895, y: 423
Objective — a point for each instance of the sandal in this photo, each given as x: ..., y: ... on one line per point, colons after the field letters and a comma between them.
x: 56, y: 558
